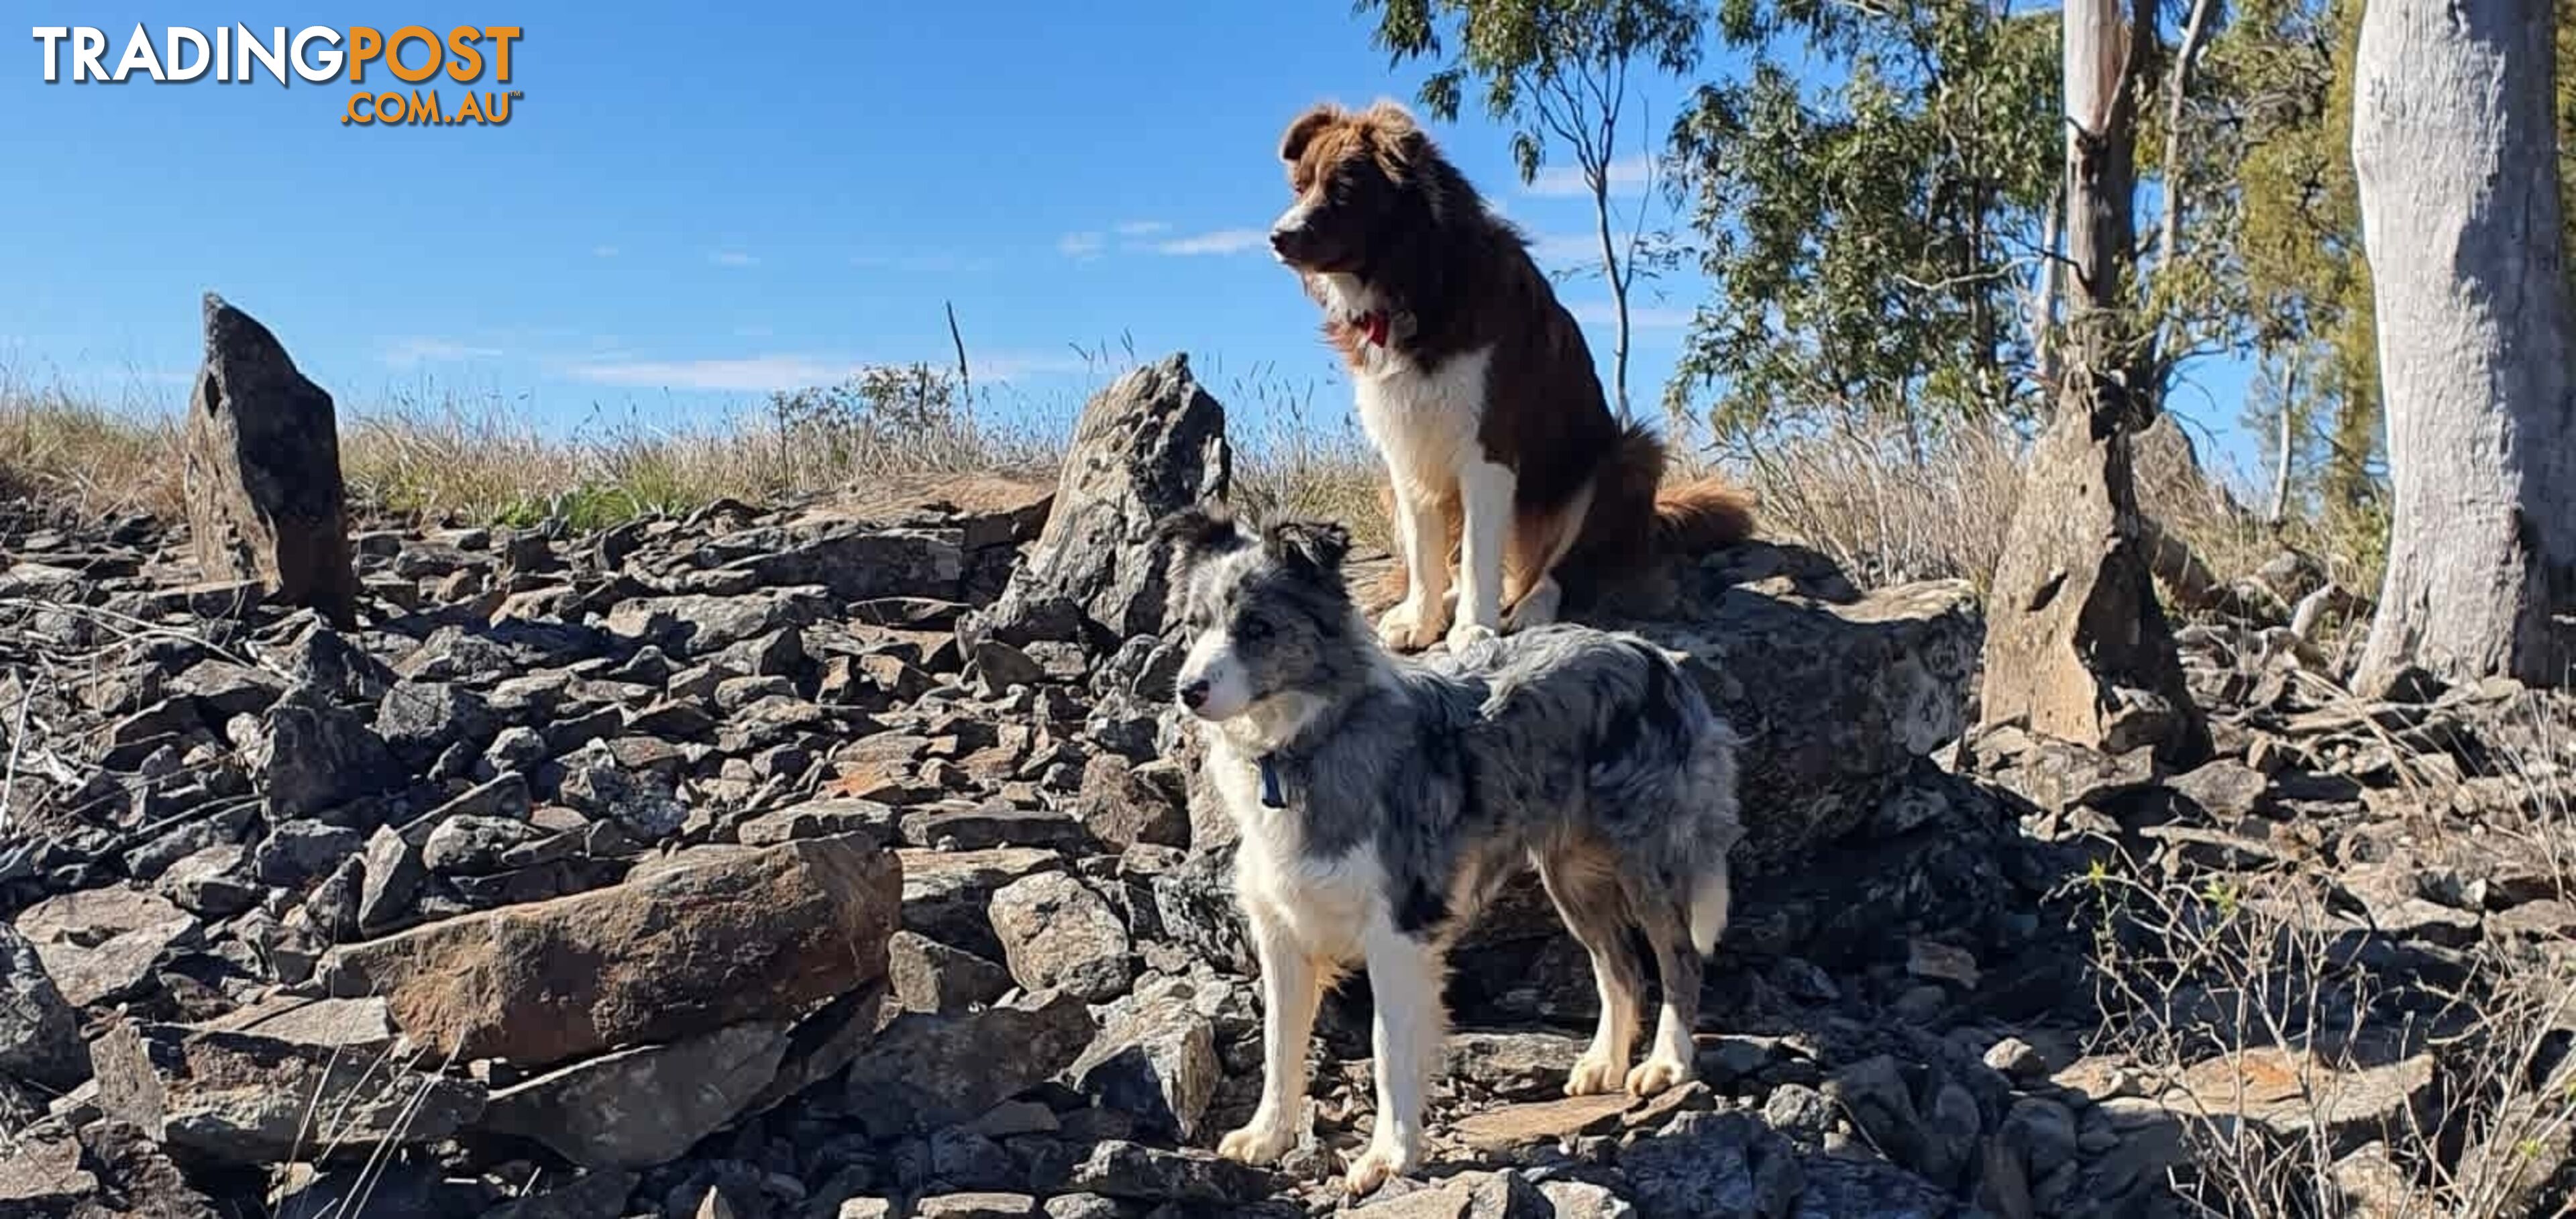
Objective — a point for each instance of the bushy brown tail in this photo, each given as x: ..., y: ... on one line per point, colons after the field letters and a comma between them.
x: 1702, y: 515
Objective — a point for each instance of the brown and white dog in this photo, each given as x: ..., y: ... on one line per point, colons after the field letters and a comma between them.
x: 1475, y: 385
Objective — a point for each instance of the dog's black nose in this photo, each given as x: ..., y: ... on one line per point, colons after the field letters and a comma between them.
x: 1282, y: 239
x: 1194, y: 695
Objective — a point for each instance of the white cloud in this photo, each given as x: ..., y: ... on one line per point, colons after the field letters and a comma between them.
x: 410, y: 351
x: 1222, y: 241
x: 1142, y: 228
x: 603, y: 251
x: 1640, y: 317
x: 1559, y: 181
x: 1081, y: 246
x: 732, y: 258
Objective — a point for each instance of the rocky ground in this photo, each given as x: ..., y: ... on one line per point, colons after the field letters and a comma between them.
x: 840, y: 859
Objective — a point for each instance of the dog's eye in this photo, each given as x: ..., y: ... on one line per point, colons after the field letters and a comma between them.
x: 1252, y: 630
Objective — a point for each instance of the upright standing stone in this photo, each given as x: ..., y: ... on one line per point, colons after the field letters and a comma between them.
x: 265, y: 500
x: 1150, y: 444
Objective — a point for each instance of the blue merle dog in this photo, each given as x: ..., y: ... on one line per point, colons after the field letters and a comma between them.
x: 1383, y: 800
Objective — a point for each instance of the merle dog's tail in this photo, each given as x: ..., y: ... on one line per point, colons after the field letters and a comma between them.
x: 1707, y: 794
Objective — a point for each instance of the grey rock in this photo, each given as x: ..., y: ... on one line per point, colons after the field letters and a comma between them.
x: 262, y: 451
x: 982, y: 1205
x: 215, y: 882
x: 2042, y: 1131
x: 599, y: 786
x: 41, y: 1177
x: 640, y: 1107
x: 1146, y: 1174
x: 1838, y: 700
x: 40, y: 1039
x: 295, y: 852
x: 998, y: 666
x: 1155, y: 1058
x: 315, y: 754
x: 2226, y: 789
x: 928, y: 976
x: 420, y: 719
x: 1800, y: 1112
x: 475, y: 844
x: 2016, y: 1058
x: 1714, y: 1166
x: 393, y: 878
x: 1512, y: 1066
x: 819, y: 819
x: 1057, y: 934
x: 1151, y: 443
x: 101, y: 945
x: 926, y: 1070
x: 248, y: 1098
x: 1121, y: 807
x: 946, y: 893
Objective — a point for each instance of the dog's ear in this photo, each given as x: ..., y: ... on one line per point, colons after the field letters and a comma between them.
x: 1320, y: 543
x: 1396, y: 139
x: 1301, y: 132
x: 1196, y: 531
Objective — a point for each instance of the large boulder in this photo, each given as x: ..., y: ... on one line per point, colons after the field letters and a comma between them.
x: 1151, y: 443
x: 262, y: 452
x: 1834, y: 699
x: 713, y: 937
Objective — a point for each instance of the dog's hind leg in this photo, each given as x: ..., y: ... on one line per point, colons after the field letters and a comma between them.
x: 1589, y: 902
x: 1539, y: 543
x: 1672, y: 1057
x: 1291, y: 987
x: 1404, y: 985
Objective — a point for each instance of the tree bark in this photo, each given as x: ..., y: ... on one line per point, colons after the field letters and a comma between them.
x: 1611, y: 270
x: 2455, y: 151
x: 2077, y: 647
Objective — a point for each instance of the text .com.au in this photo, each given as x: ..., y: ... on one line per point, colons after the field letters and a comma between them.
x: 237, y: 54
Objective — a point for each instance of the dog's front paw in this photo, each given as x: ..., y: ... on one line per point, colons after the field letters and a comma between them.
x: 1260, y: 1141
x: 1465, y: 635
x: 1656, y: 1075
x: 1411, y: 626
x: 1594, y: 1074
x: 1375, y: 1167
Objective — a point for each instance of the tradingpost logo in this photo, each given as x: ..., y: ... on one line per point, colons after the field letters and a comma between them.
x: 411, y: 55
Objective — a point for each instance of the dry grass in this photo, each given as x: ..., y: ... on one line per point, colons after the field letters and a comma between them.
x: 1302, y: 466
x: 1886, y: 506
x: 482, y: 462
x: 1890, y: 508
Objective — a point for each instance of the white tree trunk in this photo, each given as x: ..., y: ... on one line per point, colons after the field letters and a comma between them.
x: 2455, y: 151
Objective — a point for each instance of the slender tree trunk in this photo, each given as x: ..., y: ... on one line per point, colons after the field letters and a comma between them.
x: 2455, y: 150
x: 1611, y: 271
x: 2285, y: 443
x: 2076, y: 646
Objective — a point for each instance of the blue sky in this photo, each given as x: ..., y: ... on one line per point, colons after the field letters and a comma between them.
x: 685, y: 211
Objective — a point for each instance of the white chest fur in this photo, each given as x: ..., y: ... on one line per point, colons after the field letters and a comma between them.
x: 1426, y: 423
x: 1327, y: 905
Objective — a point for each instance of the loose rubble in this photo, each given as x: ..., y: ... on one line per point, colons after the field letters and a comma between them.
x: 840, y: 858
